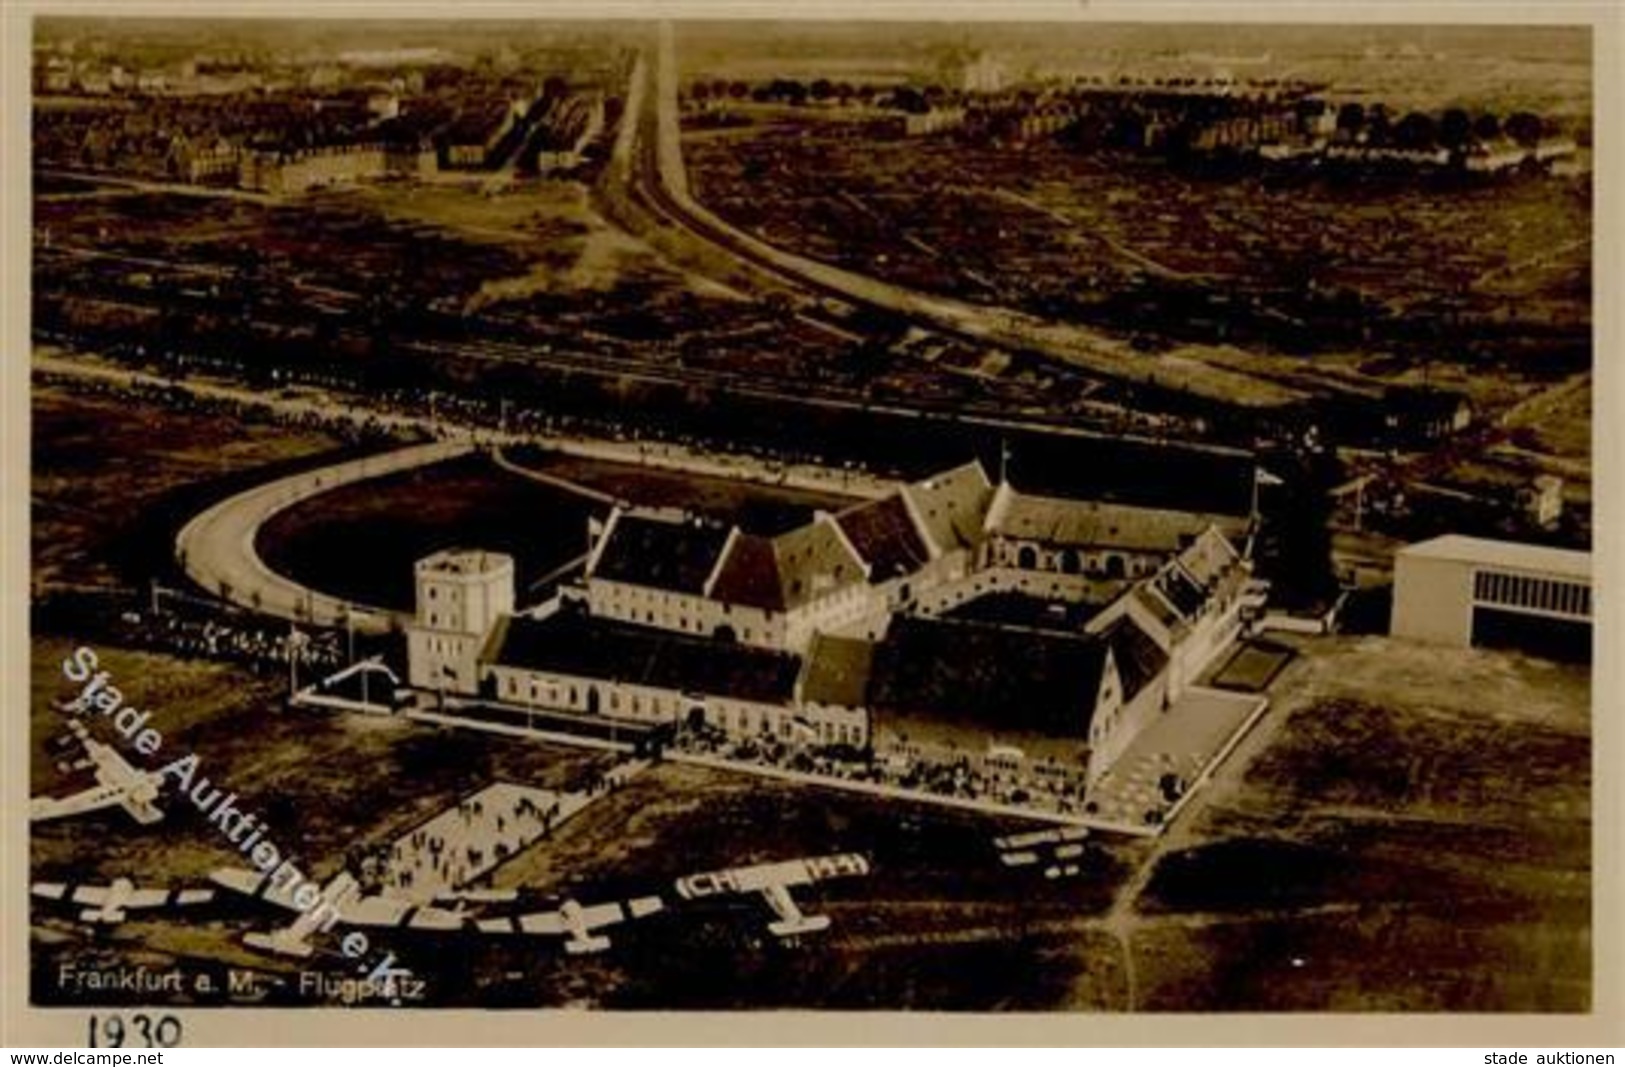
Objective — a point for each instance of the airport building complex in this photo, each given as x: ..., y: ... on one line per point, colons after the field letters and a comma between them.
x: 950, y: 619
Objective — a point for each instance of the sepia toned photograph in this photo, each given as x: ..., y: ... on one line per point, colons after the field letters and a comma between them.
x: 729, y: 514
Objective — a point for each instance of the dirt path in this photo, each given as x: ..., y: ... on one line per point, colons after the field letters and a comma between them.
x: 1124, y: 919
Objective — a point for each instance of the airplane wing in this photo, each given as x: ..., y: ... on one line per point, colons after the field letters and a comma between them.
x: 1063, y: 835
x: 255, y: 885
x: 478, y: 896
x: 97, y: 895
x: 168, y: 898
x: 554, y: 923
x: 784, y: 873
x: 73, y: 894
x: 594, y: 916
x: 845, y: 865
x: 773, y: 882
x: 142, y: 811
x: 536, y: 922
x: 95, y: 798
x: 769, y: 875
x: 792, y: 872
x: 436, y: 919
x: 386, y: 911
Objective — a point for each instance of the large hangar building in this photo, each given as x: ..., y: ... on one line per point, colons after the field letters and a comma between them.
x: 1468, y: 591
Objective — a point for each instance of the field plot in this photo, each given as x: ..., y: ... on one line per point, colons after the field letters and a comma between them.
x: 1415, y: 836
x: 360, y: 542
x: 112, y: 479
x: 1251, y: 272
x: 322, y: 785
x: 334, y: 274
x: 937, y: 903
x: 472, y: 239
x: 1405, y: 68
x: 1550, y: 434
x: 757, y: 507
x: 324, y: 782
x: 1253, y: 667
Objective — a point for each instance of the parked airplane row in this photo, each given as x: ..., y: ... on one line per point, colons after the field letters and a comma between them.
x: 344, y: 897
x: 1063, y: 848
x: 119, y: 784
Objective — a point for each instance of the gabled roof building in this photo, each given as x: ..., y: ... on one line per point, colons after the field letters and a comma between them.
x: 925, y: 620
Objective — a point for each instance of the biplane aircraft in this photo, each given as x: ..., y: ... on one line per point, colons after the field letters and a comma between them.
x: 113, y: 902
x: 574, y: 921
x: 773, y: 882
x: 341, y: 902
x: 117, y: 784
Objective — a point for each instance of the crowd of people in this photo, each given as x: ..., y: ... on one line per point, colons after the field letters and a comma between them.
x: 390, y: 413
x: 240, y: 640
x: 1019, y: 784
x: 463, y: 843
x: 346, y: 424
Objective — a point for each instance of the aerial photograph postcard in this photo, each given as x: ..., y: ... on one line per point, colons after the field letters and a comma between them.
x: 747, y: 515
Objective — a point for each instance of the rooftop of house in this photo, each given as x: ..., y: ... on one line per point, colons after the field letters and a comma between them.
x: 885, y: 536
x: 464, y: 561
x: 1209, y: 557
x: 570, y: 642
x: 1089, y: 523
x: 1012, y: 608
x: 992, y: 676
x: 950, y: 507
x: 1180, y: 590
x: 785, y: 572
x: 1138, y: 657
x: 659, y: 552
x: 1515, y: 555
x: 837, y: 671
x: 1136, y: 473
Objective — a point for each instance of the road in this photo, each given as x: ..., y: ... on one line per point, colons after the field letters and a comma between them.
x: 139, y: 185
x: 217, y: 548
x: 1186, y: 830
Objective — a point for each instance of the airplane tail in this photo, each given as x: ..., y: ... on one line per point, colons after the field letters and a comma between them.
x: 582, y: 946
x: 41, y: 810
x: 143, y: 812
x: 279, y: 943
x: 102, y: 915
x: 803, y: 924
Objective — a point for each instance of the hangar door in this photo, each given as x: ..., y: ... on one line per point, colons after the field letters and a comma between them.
x: 1559, y: 639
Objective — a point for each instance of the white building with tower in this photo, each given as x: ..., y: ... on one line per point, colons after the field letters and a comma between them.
x: 461, y: 593
x: 938, y: 620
